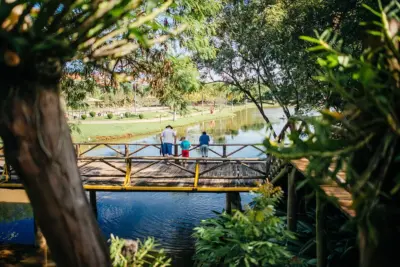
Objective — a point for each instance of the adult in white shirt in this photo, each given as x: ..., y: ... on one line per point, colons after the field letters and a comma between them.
x: 168, y: 138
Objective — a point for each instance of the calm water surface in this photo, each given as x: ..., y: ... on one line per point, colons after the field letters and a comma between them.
x: 169, y: 217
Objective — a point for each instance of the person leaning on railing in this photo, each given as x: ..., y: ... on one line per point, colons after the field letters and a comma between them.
x: 168, y: 139
x: 204, y: 143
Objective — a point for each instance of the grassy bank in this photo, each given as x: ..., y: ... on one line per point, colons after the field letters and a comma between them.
x: 103, y: 132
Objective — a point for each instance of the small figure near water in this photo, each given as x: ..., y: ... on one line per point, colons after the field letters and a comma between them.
x: 168, y: 139
x: 204, y: 141
x: 185, y: 146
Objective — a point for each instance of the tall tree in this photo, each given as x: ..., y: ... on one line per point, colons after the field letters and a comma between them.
x: 259, y: 52
x: 37, y: 39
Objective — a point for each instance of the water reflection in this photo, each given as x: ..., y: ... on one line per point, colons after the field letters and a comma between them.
x: 169, y: 217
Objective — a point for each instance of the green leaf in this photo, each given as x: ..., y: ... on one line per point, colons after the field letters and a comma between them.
x: 310, y: 39
x: 372, y: 10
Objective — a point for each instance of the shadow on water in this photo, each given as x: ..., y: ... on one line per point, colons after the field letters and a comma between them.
x: 169, y: 217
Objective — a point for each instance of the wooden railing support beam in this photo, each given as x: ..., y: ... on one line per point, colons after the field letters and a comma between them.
x: 196, y: 175
x: 233, y: 202
x: 291, y: 201
x: 320, y: 231
x: 93, y: 202
x: 176, y: 153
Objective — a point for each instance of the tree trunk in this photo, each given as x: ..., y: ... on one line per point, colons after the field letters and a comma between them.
x: 38, y: 145
x: 174, y: 115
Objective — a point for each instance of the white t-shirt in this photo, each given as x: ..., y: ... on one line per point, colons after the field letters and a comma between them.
x: 168, y: 136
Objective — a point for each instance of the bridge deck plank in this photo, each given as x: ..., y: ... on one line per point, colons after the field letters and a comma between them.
x: 333, y: 190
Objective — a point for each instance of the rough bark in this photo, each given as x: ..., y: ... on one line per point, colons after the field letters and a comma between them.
x: 38, y: 146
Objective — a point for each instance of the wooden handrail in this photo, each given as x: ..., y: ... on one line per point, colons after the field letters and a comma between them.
x: 151, y: 144
x: 171, y: 158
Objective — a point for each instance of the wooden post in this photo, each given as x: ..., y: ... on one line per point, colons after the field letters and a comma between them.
x: 291, y: 202
x: 77, y: 150
x: 93, y: 202
x: 320, y: 231
x: 176, y: 153
x: 233, y: 202
x: 126, y: 150
x: 224, y: 150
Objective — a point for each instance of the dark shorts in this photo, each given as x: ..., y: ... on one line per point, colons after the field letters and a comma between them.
x: 185, y: 153
x: 167, y: 149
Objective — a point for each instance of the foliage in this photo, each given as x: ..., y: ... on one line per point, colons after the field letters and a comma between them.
x: 147, y: 254
x: 92, y: 114
x: 259, y: 54
x: 141, y: 116
x: 128, y: 114
x: 183, y: 80
x: 363, y: 136
x: 340, y: 238
x: 255, y: 237
x: 110, y: 115
x: 83, y: 116
x: 74, y: 127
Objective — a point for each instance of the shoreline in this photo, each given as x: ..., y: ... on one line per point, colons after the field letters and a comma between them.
x: 112, y: 130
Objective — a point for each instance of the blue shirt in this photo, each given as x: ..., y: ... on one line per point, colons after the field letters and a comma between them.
x: 204, y: 139
x: 185, y: 145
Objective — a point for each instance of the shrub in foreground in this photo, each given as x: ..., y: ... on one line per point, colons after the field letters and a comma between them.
x: 83, y: 116
x: 110, y: 115
x: 136, y: 253
x: 92, y: 114
x: 255, y: 237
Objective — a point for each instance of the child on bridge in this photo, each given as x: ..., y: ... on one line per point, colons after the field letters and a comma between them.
x: 185, y: 146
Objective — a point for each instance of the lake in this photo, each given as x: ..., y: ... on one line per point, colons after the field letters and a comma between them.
x: 169, y: 217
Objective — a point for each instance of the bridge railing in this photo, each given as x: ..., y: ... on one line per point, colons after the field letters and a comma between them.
x: 121, y: 163
x: 123, y: 156
x: 125, y: 149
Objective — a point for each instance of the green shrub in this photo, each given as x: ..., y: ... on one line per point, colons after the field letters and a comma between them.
x: 83, y: 116
x: 255, y: 237
x: 110, y: 115
x: 141, y: 116
x: 128, y: 114
x: 92, y: 114
x: 136, y: 253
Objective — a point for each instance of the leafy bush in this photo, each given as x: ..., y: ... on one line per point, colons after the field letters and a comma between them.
x: 110, y: 115
x: 74, y: 127
x: 141, y: 116
x: 255, y: 237
x: 136, y: 254
x: 83, y: 116
x: 128, y: 114
x: 92, y: 114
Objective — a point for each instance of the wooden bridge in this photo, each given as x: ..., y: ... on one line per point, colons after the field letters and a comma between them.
x: 119, y: 168
x: 126, y: 167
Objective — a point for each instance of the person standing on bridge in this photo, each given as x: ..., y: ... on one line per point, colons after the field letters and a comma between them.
x: 204, y: 143
x: 168, y: 139
x: 185, y: 146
